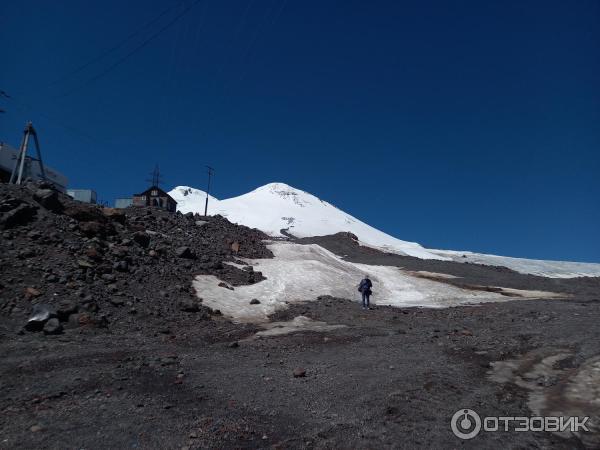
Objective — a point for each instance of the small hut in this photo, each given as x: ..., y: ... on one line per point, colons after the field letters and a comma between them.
x: 155, y: 197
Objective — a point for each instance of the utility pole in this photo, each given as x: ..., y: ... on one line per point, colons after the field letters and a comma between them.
x: 156, y: 178
x: 17, y: 173
x: 210, y: 173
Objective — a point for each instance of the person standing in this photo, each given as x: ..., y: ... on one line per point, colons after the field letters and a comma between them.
x: 365, y: 289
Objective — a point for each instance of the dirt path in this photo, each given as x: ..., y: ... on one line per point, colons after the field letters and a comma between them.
x: 392, y: 378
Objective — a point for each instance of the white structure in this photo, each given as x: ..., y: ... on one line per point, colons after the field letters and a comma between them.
x: 8, y: 158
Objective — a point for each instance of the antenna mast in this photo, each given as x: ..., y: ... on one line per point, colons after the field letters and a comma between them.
x: 17, y: 173
x: 210, y: 173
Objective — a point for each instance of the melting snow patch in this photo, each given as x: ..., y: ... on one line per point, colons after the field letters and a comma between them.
x: 541, y: 268
x: 300, y: 273
x: 298, y: 324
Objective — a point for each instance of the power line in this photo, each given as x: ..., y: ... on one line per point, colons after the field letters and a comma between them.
x: 27, y: 109
x: 114, y: 48
x: 132, y: 52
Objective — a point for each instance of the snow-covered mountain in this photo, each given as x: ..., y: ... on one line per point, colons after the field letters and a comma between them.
x: 277, y: 206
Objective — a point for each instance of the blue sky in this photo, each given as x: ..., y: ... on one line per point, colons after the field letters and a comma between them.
x: 464, y: 125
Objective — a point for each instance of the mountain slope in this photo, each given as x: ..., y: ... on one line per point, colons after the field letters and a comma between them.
x: 277, y: 206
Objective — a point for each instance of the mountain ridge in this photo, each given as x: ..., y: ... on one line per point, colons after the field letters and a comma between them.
x: 278, y: 206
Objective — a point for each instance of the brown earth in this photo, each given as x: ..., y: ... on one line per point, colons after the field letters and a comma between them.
x: 175, y: 375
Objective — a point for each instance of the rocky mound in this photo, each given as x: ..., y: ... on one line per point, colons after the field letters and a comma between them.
x: 65, y: 264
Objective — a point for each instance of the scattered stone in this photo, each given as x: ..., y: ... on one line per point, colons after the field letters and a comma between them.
x: 32, y: 293
x: 116, y: 215
x: 184, y: 252
x: 48, y: 198
x: 116, y: 301
x: 40, y: 315
x: 189, y: 305
x: 94, y: 229
x: 53, y: 326
x: 65, y: 309
x: 121, y: 266
x: 21, y: 215
x: 142, y: 239
x: 85, y: 264
x: 233, y: 344
x: 299, y: 372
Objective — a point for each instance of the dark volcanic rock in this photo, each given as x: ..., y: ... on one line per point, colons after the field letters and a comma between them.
x: 85, y: 213
x: 184, y: 252
x: 53, y: 326
x: 115, y: 215
x: 86, y: 259
x: 189, y: 305
x: 21, y: 215
x: 96, y: 229
x: 299, y: 372
x: 142, y: 239
x: 48, y: 198
x: 40, y: 315
x: 66, y: 308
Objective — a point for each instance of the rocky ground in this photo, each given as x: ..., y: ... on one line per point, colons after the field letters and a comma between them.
x: 124, y: 355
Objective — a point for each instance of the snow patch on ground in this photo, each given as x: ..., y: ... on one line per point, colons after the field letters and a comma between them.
x: 551, y: 269
x: 303, y: 272
x: 298, y: 324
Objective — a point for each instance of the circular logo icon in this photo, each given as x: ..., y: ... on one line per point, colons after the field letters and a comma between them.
x: 466, y: 424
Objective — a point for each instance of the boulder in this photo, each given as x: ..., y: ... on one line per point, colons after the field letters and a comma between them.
x: 255, y: 301
x: 96, y: 229
x: 121, y: 266
x: 66, y: 308
x: 85, y: 213
x: 21, y: 215
x: 142, y: 239
x: 116, y: 215
x: 53, y: 326
x: 48, y: 198
x: 41, y: 314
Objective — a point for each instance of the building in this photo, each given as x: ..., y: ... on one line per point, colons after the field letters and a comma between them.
x: 8, y: 158
x: 122, y: 203
x: 83, y: 195
x: 155, y: 197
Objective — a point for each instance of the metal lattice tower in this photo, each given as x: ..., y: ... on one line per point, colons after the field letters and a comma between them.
x: 17, y: 173
x: 156, y: 178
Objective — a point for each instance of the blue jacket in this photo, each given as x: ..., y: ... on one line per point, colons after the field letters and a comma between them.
x: 365, y: 286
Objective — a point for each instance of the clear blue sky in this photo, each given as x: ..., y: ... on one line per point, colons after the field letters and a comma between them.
x: 457, y: 124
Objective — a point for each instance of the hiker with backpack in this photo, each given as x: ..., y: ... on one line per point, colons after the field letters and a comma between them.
x: 365, y: 289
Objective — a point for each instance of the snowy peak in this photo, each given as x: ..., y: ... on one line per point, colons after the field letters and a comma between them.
x: 190, y: 199
x: 287, y: 193
x: 277, y: 206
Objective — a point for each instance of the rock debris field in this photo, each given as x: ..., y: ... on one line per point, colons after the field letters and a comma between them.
x: 106, y: 342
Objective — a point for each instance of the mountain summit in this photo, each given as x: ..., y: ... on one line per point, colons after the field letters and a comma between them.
x: 277, y: 206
